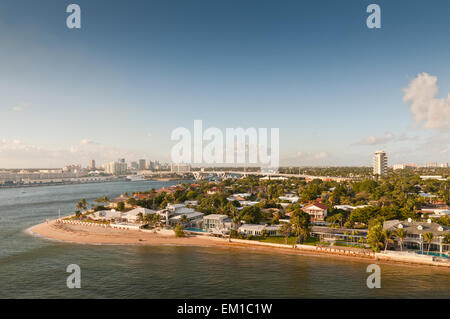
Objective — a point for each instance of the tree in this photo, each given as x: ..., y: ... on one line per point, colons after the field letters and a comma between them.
x: 183, y: 219
x: 120, y: 206
x: 375, y: 237
x: 301, y: 222
x: 82, y: 204
x: 179, y: 230
x: 285, y: 230
x: 251, y: 214
x: 387, y: 238
x: 428, y: 237
x: 401, y: 235
x: 103, y: 199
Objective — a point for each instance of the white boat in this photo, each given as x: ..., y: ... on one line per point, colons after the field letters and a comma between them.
x: 135, y: 178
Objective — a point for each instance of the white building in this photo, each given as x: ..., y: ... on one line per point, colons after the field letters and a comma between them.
x: 191, y: 218
x: 132, y: 215
x: 214, y: 222
x: 180, y: 168
x: 116, y: 168
x: 106, y: 215
x: 290, y: 198
x: 256, y: 230
x: 380, y: 163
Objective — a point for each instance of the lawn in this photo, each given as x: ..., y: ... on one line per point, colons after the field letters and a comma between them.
x: 282, y: 240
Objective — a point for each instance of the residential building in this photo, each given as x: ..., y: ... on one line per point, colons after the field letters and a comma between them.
x: 192, y: 218
x: 380, y: 163
x: 106, y: 215
x: 415, y: 232
x: 133, y: 215
x: 257, y: 230
x: 317, y: 211
x: 214, y: 222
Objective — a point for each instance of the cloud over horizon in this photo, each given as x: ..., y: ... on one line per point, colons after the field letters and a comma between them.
x: 431, y: 112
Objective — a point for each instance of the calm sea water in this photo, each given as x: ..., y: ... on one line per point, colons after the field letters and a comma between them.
x: 32, y: 267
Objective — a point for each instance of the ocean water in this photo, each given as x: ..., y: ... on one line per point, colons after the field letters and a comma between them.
x: 33, y: 267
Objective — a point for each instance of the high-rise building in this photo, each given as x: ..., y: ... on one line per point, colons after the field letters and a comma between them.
x: 431, y: 165
x: 180, y: 168
x: 443, y: 165
x: 92, y: 164
x: 380, y: 163
x: 142, y: 164
x: 116, y: 168
x: 134, y: 165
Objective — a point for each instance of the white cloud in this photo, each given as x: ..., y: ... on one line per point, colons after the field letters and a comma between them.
x: 20, y: 107
x: 149, y: 134
x: 373, y: 140
x: 17, y: 108
x: 87, y: 142
x: 431, y: 112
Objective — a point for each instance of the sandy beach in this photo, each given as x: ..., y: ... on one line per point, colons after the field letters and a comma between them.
x: 99, y: 235
x: 81, y: 234
x: 108, y: 236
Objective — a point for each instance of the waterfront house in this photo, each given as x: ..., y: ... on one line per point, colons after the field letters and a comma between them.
x: 106, y: 215
x: 192, y: 218
x: 317, y: 211
x: 214, y: 222
x: 132, y: 215
x: 415, y: 234
x: 331, y: 234
x: 257, y: 230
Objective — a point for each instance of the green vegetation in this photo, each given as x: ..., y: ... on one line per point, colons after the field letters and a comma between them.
x: 179, y: 231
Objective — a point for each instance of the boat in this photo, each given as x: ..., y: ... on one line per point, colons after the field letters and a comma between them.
x: 135, y: 178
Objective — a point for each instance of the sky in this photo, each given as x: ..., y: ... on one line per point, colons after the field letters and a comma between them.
x: 136, y: 70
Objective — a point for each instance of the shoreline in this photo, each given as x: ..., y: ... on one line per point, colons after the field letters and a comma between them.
x: 98, y: 236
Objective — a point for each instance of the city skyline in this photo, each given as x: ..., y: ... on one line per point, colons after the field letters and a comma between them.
x: 120, y: 85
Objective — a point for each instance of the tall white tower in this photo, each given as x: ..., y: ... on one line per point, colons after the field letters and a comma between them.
x: 380, y: 163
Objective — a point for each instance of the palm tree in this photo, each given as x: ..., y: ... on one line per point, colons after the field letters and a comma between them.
x: 428, y: 237
x: 285, y: 230
x: 183, y: 219
x: 82, y: 204
x: 401, y: 235
x: 236, y: 221
x: 387, y: 236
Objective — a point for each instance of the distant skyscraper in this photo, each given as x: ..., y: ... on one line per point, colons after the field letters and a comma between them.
x: 116, y: 168
x: 180, y: 168
x: 134, y: 165
x: 142, y: 164
x: 92, y: 165
x: 380, y: 163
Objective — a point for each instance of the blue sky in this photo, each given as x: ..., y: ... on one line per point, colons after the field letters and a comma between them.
x: 138, y: 69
